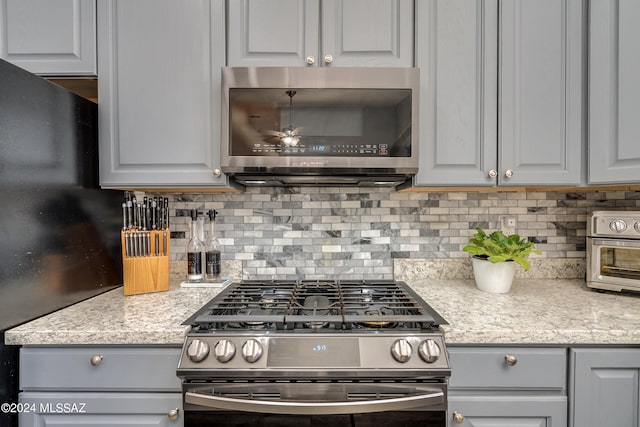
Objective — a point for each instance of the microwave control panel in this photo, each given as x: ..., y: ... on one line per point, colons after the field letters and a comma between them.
x: 314, y: 149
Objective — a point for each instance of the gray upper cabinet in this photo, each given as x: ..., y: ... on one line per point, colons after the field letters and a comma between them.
x: 363, y: 33
x: 501, y: 96
x: 457, y: 54
x: 53, y: 38
x: 614, y: 86
x: 159, y: 88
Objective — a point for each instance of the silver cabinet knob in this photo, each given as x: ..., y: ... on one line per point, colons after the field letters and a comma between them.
x: 458, y: 418
x: 429, y: 351
x: 173, y: 414
x: 493, y: 173
x: 311, y: 60
x: 508, y: 173
x: 217, y: 173
x: 224, y: 351
x: 328, y: 59
x: 251, y: 351
x: 510, y: 360
x: 96, y: 359
x: 401, y: 350
x: 197, y: 351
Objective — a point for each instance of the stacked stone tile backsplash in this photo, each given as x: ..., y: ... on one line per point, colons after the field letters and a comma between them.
x: 358, y: 233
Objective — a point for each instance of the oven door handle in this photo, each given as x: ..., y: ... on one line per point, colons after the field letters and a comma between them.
x: 617, y: 243
x: 431, y: 397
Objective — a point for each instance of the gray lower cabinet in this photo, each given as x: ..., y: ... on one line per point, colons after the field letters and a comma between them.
x: 347, y: 33
x: 614, y: 90
x: 160, y: 89
x: 605, y: 387
x: 100, y: 409
x: 507, y: 386
x: 501, y: 92
x: 110, y: 386
x: 49, y: 38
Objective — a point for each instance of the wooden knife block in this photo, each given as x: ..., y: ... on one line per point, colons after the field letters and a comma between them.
x: 145, y: 274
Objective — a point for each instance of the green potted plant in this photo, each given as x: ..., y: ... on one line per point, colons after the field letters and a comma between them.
x: 495, y: 257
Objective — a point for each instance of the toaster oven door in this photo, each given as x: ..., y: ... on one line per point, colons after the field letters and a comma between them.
x: 613, y: 263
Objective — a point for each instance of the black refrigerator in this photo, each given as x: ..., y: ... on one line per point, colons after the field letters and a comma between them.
x: 59, y: 232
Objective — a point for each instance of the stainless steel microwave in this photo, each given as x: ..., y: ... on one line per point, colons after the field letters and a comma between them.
x: 330, y: 126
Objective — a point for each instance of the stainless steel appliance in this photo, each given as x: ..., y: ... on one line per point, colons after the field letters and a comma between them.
x: 57, y: 227
x: 330, y: 126
x: 342, y: 353
x: 613, y: 250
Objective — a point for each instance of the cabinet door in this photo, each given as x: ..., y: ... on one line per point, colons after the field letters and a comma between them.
x: 367, y: 33
x: 279, y: 33
x: 159, y: 88
x: 101, y: 409
x: 605, y: 385
x: 614, y: 90
x: 540, y: 100
x: 456, y: 52
x: 49, y: 38
x: 507, y: 411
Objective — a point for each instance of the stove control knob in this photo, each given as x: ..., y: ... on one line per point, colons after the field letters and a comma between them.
x: 429, y: 351
x: 618, y: 226
x: 197, y: 351
x: 224, y: 351
x: 401, y: 350
x: 251, y: 351
x: 637, y: 226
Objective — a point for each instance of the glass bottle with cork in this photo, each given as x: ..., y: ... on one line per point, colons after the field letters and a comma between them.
x: 194, y: 251
x: 212, y: 251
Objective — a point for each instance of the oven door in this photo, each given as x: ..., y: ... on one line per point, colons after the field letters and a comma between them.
x: 614, y: 263
x: 316, y: 403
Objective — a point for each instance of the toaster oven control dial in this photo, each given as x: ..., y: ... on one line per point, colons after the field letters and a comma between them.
x: 401, y: 350
x: 618, y: 226
x: 251, y: 351
x: 429, y: 351
x: 197, y: 351
x: 224, y: 351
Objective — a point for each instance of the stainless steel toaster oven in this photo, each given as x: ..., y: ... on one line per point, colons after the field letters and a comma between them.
x: 613, y: 250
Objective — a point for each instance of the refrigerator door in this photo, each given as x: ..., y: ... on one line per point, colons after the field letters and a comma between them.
x: 59, y: 231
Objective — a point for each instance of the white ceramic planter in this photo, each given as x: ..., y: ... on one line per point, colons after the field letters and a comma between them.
x: 495, y: 278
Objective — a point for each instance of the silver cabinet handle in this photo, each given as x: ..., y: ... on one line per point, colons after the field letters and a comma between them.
x: 96, y: 359
x: 458, y: 418
x: 435, y: 397
x: 493, y: 173
x: 311, y: 60
x: 328, y: 59
x: 508, y: 173
x: 173, y: 414
x: 217, y: 172
x: 510, y: 359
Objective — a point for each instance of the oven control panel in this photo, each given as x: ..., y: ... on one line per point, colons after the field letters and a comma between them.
x: 315, y: 352
x: 614, y: 224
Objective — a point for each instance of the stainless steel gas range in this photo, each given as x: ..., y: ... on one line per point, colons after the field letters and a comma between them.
x: 352, y: 353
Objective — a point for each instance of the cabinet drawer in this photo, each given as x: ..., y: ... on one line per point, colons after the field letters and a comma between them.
x: 534, y: 368
x: 115, y: 368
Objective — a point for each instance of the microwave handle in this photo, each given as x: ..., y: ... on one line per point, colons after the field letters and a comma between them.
x: 616, y: 243
x: 433, y: 397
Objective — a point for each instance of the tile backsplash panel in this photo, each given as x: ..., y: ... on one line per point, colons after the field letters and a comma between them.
x: 354, y: 233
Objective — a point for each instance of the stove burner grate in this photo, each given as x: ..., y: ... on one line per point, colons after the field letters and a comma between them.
x: 316, y: 305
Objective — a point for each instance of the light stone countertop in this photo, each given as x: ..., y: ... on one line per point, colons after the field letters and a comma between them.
x: 112, y: 318
x: 536, y: 311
